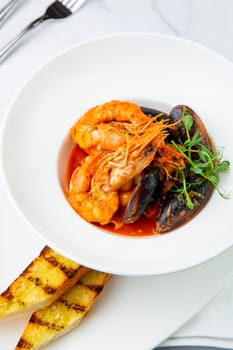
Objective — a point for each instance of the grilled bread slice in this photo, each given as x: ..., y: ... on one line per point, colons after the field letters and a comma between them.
x: 64, y: 314
x: 42, y: 282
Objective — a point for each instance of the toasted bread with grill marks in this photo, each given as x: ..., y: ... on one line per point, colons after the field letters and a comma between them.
x: 43, y: 281
x: 64, y: 314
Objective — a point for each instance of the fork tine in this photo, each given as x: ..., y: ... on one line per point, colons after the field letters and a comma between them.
x: 64, y: 2
x: 72, y: 2
x: 72, y: 5
x: 77, y: 4
x: 58, y: 9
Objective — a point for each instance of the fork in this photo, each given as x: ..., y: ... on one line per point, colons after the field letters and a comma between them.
x: 57, y: 10
x: 7, y: 10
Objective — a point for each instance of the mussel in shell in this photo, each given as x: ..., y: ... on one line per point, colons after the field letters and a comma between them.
x: 173, y: 210
x: 151, y: 112
x: 146, y: 192
x: 179, y: 132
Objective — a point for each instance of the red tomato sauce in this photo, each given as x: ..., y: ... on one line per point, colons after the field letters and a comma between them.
x: 144, y: 226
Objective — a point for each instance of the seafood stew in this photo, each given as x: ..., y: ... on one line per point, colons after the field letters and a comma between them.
x: 138, y: 171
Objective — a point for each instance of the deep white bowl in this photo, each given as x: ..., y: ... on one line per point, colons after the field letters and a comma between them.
x: 149, y: 69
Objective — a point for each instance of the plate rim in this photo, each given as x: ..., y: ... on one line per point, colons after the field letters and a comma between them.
x: 36, y: 72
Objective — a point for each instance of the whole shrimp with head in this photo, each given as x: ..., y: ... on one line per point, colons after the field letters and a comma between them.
x: 120, y: 142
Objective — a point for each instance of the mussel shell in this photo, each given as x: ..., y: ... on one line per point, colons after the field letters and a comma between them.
x: 174, y: 211
x: 151, y: 112
x: 176, y: 115
x: 179, y: 132
x: 146, y: 192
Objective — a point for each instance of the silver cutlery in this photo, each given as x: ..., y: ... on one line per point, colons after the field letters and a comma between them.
x: 190, y: 347
x: 8, y: 9
x: 57, y: 10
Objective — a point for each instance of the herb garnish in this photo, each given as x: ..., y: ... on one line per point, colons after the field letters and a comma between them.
x: 201, y: 161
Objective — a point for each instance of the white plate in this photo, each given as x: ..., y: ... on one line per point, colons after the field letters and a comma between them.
x: 132, y: 312
x: 152, y: 70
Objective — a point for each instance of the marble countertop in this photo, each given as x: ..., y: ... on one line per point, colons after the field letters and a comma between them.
x: 208, y: 22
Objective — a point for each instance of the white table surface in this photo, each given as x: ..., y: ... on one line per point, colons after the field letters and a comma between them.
x: 208, y: 22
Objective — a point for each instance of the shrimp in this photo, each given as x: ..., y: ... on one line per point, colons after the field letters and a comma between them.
x: 95, y: 206
x: 94, y: 184
x: 120, y: 167
x: 86, y: 196
x: 106, y: 126
x: 81, y: 177
x: 121, y: 141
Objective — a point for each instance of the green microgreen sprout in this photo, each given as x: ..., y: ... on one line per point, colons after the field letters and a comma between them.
x: 200, y: 160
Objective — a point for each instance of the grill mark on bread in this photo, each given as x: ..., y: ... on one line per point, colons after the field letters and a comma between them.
x: 23, y: 344
x: 7, y: 294
x: 74, y: 306
x: 52, y: 326
x: 45, y: 279
x: 38, y: 283
x: 66, y: 313
x: 93, y: 287
x: 67, y: 271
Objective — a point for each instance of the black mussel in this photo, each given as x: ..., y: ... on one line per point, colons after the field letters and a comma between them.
x: 179, y: 131
x: 175, y: 115
x: 174, y: 211
x: 151, y: 112
x: 145, y: 193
